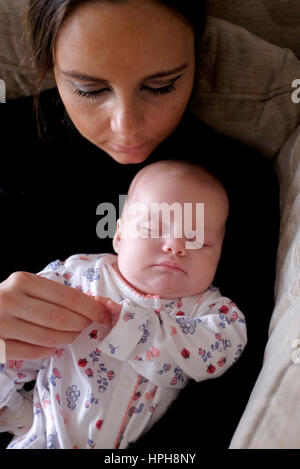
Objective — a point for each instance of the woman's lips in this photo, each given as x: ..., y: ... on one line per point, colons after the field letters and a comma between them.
x: 128, y: 150
x: 170, y: 265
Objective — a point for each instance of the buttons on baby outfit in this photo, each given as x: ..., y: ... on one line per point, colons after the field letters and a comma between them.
x: 296, y: 353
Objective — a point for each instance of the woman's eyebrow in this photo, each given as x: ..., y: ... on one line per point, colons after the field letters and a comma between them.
x: 83, y: 77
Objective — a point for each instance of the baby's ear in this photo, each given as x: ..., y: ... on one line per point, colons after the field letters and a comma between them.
x: 117, y: 236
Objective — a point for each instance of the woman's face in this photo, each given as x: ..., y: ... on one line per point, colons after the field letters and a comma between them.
x: 125, y: 73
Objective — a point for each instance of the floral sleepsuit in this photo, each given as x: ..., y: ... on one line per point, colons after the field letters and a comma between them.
x: 106, y: 392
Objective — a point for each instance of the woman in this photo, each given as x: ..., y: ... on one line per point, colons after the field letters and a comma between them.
x: 125, y: 74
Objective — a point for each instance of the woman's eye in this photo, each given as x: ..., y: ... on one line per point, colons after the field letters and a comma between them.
x: 90, y: 94
x: 160, y: 91
x: 154, y: 91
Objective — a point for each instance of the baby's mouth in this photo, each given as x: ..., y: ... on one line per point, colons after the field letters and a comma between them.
x: 170, y: 265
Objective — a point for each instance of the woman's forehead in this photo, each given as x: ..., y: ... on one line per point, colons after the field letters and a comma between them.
x: 140, y: 34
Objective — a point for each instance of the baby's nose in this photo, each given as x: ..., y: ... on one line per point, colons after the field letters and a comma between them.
x: 176, y: 246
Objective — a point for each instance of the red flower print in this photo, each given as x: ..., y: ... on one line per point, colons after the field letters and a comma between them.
x: 224, y: 309
x: 67, y: 275
x: 222, y: 361
x: 218, y: 336
x: 200, y: 351
x: 110, y: 374
x: 211, y: 369
x: 56, y: 373
x: 174, y: 380
x: 131, y: 411
x: 99, y: 424
x: 185, y: 353
x: 128, y: 315
x: 89, y: 372
x: 180, y: 313
x: 82, y: 362
x: 93, y: 334
x: 137, y: 396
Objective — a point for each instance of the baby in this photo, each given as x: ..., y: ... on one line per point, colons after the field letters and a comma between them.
x: 167, y: 322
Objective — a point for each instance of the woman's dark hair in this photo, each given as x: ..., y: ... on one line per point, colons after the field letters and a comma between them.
x: 44, y: 18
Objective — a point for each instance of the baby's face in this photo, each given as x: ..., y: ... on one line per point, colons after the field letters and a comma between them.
x: 168, y: 265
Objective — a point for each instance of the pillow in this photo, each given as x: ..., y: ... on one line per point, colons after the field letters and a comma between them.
x: 271, y: 419
x: 244, y: 87
x: 276, y: 21
x: 15, y: 69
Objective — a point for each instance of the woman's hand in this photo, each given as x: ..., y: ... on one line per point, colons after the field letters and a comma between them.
x: 37, y: 315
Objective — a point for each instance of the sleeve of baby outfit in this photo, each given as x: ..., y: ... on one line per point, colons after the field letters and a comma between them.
x: 169, y: 347
x: 13, y: 375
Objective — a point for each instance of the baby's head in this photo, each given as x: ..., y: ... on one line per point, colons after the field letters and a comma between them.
x: 151, y: 256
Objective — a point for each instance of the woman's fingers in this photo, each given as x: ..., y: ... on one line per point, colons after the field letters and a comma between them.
x: 55, y: 293
x: 48, y: 315
x: 22, y: 351
x: 23, y: 331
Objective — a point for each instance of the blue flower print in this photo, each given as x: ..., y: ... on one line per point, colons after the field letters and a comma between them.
x: 72, y: 395
x: 178, y: 372
x: 112, y: 348
x: 238, y: 352
x: 28, y: 441
x: 103, y: 384
x: 51, y: 380
x: 135, y: 410
x: 91, y: 274
x: 91, y: 444
x: 146, y: 333
x: 55, y: 265
x: 166, y: 367
x: 52, y: 442
x: 188, y: 326
x: 95, y: 355
x: 90, y: 400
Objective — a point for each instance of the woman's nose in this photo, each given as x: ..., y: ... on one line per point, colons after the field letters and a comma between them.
x: 176, y: 246
x: 126, y: 120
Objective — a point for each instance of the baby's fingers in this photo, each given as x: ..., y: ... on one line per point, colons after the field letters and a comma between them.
x: 114, y: 308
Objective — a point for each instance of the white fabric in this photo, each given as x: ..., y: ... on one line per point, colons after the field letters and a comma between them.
x: 271, y: 419
x: 104, y: 393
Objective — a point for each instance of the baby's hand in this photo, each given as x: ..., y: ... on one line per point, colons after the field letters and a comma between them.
x: 110, y: 315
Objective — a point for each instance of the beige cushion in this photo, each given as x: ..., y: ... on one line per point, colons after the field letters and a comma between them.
x: 15, y: 68
x: 276, y: 21
x: 243, y: 88
x: 271, y: 419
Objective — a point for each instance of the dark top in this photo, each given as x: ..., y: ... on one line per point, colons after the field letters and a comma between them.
x: 49, y: 192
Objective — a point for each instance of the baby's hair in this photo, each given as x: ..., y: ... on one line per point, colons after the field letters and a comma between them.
x: 179, y: 168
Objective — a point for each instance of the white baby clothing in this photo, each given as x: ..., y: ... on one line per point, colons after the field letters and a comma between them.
x: 106, y: 392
